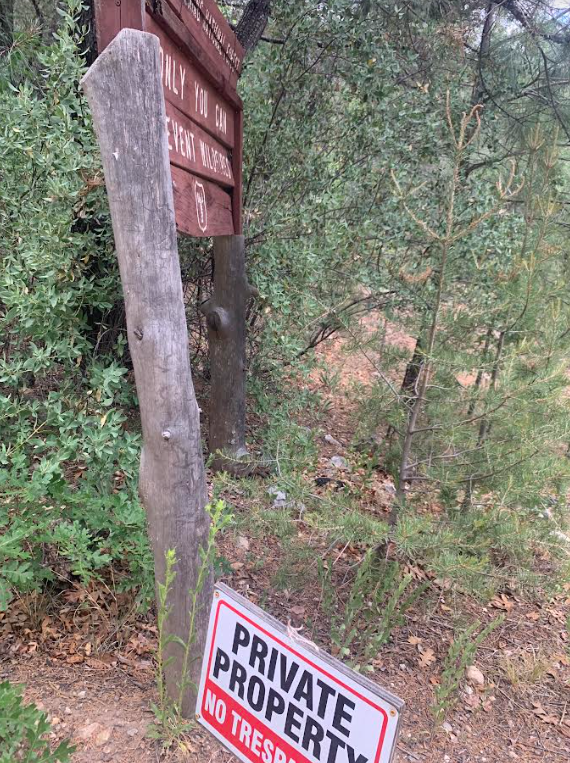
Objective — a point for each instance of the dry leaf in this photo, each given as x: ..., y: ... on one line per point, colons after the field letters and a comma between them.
x: 502, y: 602
x: 543, y: 715
x: 472, y: 701
x: 414, y: 640
x: 415, y: 572
x: 427, y: 658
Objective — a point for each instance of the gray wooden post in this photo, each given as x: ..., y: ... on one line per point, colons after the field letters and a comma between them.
x: 225, y: 315
x: 124, y: 91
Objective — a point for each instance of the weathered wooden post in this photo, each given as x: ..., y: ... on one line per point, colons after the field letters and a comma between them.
x: 125, y: 93
x: 225, y: 315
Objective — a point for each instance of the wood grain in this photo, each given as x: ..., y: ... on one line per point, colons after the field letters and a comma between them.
x: 124, y: 91
x: 226, y: 318
x: 218, y: 206
x: 110, y: 18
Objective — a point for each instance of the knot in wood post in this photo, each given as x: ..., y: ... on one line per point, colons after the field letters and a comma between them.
x: 218, y: 320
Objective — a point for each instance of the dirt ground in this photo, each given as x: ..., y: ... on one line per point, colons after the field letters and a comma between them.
x: 90, y: 666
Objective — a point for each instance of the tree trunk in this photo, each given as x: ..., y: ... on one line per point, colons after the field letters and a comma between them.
x: 252, y: 23
x: 124, y: 90
x: 485, y: 427
x: 409, y: 387
x: 480, y: 372
x: 225, y: 316
x: 479, y: 89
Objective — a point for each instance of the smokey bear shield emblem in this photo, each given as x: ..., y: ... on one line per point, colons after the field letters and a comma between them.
x: 201, y: 206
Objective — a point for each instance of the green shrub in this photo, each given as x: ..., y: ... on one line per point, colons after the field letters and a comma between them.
x: 59, y: 532
x: 23, y: 729
x: 68, y: 464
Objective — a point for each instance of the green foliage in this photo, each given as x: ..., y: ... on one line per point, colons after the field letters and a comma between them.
x: 353, y: 94
x: 170, y: 724
x: 461, y: 654
x: 80, y: 530
x: 23, y: 731
x: 378, y: 600
x: 68, y: 466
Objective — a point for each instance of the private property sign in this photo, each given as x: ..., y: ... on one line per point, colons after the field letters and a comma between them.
x: 272, y: 697
x: 200, y: 61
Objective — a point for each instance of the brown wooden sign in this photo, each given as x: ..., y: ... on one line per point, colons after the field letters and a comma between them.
x: 200, y: 60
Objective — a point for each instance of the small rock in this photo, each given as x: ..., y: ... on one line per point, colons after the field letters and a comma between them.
x: 243, y: 543
x: 89, y: 731
x: 447, y: 727
x: 280, y: 497
x: 82, y: 694
x: 330, y: 440
x: 67, y: 711
x: 475, y: 676
x: 132, y: 732
x: 340, y: 463
x: 103, y: 737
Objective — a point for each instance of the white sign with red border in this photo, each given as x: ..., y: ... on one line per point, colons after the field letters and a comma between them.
x: 271, y: 696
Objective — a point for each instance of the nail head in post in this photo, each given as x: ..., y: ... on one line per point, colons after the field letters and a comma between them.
x: 166, y: 435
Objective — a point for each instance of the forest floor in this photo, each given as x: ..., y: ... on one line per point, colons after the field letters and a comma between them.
x: 87, y: 658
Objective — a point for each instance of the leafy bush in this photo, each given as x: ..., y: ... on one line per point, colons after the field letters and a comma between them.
x: 54, y: 534
x: 23, y: 729
x: 68, y: 465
